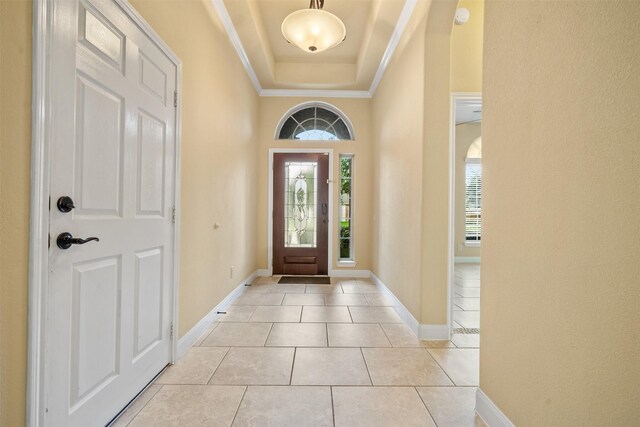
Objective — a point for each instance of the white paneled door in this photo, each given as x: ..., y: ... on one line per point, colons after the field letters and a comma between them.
x: 113, y: 150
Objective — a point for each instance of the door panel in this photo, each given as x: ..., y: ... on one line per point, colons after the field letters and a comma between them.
x: 113, y: 143
x: 95, y: 326
x: 99, y: 140
x: 153, y: 78
x: 151, y: 164
x: 300, y: 214
x: 148, y: 314
x: 99, y: 36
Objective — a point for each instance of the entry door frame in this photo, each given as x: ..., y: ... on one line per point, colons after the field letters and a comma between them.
x: 455, y: 97
x: 330, y: 231
x: 44, y: 27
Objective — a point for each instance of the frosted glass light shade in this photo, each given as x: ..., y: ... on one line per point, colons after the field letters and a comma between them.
x: 313, y: 30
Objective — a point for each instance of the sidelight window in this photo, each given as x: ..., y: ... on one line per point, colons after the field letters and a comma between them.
x: 345, y: 206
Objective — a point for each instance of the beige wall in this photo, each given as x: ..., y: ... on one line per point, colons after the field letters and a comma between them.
x: 465, y: 135
x: 452, y: 63
x: 466, y: 76
x: 466, y: 49
x: 15, y: 142
x: 560, y: 271
x: 219, y: 156
x: 411, y: 159
x: 435, y: 190
x: 397, y: 116
x: 359, y: 113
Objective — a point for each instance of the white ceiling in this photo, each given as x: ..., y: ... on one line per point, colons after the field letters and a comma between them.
x: 468, y: 111
x: 374, y: 28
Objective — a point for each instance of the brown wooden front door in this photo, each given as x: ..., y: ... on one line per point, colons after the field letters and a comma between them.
x: 300, y: 213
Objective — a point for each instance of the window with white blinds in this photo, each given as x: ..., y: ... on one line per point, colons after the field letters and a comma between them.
x: 473, y: 202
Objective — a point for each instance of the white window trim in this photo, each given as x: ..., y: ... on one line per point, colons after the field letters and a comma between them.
x: 346, y: 264
x: 308, y: 104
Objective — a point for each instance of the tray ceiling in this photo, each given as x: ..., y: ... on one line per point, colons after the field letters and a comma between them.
x: 374, y: 28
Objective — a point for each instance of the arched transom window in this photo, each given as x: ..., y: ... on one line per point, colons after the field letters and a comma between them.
x: 315, y: 122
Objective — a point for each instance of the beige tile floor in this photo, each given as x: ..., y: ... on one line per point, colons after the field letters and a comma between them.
x: 317, y: 355
x: 466, y: 304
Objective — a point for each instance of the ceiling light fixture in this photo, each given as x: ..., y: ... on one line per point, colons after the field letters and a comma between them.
x: 313, y: 30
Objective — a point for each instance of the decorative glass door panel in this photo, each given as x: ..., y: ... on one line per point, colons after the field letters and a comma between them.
x: 301, y: 193
x: 300, y: 213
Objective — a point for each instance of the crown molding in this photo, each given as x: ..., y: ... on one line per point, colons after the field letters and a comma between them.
x: 398, y: 31
x: 227, y: 23
x: 316, y: 93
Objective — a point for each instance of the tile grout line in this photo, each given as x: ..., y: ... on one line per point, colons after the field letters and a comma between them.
x: 387, y: 335
x: 251, y: 316
x: 454, y: 346
x: 293, y: 362
x: 264, y: 344
x: 143, y: 406
x: 367, y: 367
x: 216, y: 323
x: 333, y: 409
x: 440, y: 366
x: 216, y: 370
x: 326, y: 330
x: 244, y: 393
x: 426, y: 407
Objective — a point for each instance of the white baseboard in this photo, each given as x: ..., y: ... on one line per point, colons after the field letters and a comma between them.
x: 187, y: 340
x: 402, y: 311
x: 434, y: 332
x: 467, y: 260
x: 351, y: 273
x: 423, y: 332
x: 263, y: 272
x: 489, y: 412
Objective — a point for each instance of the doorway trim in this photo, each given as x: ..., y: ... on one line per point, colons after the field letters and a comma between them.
x: 455, y: 96
x: 42, y: 108
x: 273, y: 151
